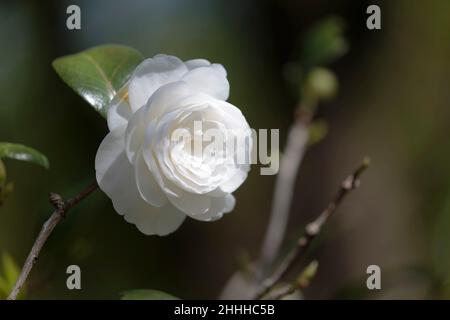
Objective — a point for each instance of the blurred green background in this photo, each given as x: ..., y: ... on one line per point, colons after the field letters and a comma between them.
x: 393, y: 104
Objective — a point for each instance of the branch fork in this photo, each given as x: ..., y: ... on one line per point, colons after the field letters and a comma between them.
x: 311, y: 231
x: 62, y: 207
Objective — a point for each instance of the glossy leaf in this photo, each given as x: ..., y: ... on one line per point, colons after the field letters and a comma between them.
x: 23, y: 153
x: 144, y: 294
x: 98, y: 73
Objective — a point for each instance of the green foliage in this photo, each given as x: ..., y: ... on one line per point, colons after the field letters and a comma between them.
x: 145, y: 294
x: 17, y: 152
x: 23, y: 153
x: 2, y: 173
x: 8, y: 275
x: 324, y: 43
x: 5, y: 190
x: 308, y: 274
x: 317, y: 131
x: 97, y: 73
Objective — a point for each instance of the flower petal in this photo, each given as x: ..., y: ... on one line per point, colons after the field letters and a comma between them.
x: 208, y: 80
x: 147, y: 185
x: 151, y: 74
x: 167, y: 98
x: 128, y: 202
x: 197, y: 63
x: 109, y: 151
x: 135, y: 134
x: 114, y: 172
x: 115, y: 177
x: 150, y: 220
x: 219, y: 206
x: 190, y: 203
x: 119, y: 111
x: 168, y: 187
x: 236, y: 180
x: 219, y: 68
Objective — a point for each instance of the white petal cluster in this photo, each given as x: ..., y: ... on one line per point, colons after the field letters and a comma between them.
x: 152, y: 180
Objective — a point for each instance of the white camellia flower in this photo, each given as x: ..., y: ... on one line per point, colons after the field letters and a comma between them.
x: 153, y: 181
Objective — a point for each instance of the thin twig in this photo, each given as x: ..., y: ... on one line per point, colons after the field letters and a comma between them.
x: 61, y: 209
x: 297, y: 141
x: 301, y: 283
x: 284, y: 189
x: 312, y: 230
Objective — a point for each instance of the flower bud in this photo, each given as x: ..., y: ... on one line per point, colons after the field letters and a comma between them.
x: 322, y: 83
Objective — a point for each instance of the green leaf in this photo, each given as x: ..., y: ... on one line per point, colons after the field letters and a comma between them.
x: 23, y: 153
x: 144, y: 294
x: 324, y: 43
x: 98, y: 73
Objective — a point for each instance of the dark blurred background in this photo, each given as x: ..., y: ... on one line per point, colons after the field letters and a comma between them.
x: 393, y: 105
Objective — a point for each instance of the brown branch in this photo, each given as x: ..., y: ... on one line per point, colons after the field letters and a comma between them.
x: 61, y: 209
x: 297, y: 142
x: 312, y: 230
x: 295, y: 149
x: 296, y: 145
x: 302, y: 282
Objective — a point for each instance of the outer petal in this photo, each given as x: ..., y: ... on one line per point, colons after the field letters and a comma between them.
x: 218, y: 207
x: 115, y: 177
x: 191, y: 204
x: 209, y: 80
x: 135, y: 134
x: 114, y: 173
x: 233, y: 116
x: 150, y: 220
x: 197, y: 63
x: 167, y: 98
x: 119, y: 111
x: 236, y: 180
x: 219, y: 68
x: 151, y: 74
x: 108, y: 155
x: 147, y: 185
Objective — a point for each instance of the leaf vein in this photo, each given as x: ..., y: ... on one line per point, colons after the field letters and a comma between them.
x: 102, y: 74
